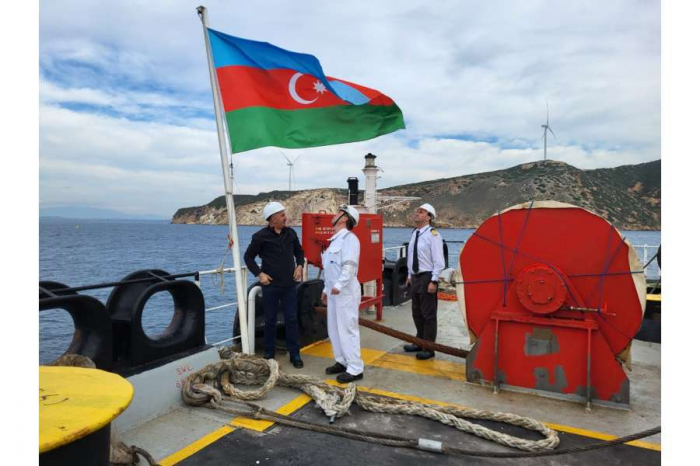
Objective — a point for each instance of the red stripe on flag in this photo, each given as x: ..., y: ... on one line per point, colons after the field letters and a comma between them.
x: 244, y: 86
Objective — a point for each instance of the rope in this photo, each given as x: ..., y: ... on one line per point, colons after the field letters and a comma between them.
x: 503, y: 259
x: 214, y: 385
x: 217, y: 278
x: 656, y: 285
x: 120, y: 454
x: 517, y: 252
x: 571, y: 275
x: 74, y: 360
x: 605, y: 270
x: 425, y: 344
x: 520, y: 237
x: 563, y: 451
x: 650, y: 260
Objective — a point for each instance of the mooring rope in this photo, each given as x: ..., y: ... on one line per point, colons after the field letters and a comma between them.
x: 214, y: 385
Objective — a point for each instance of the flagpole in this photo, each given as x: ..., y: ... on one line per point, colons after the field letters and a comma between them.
x: 228, y: 184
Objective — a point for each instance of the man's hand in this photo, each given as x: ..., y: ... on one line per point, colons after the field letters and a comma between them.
x: 297, y: 273
x: 324, y: 299
x: 264, y: 278
x: 408, y: 281
x: 432, y: 288
x: 335, y: 291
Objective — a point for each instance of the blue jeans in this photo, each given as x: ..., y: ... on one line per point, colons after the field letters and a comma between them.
x: 273, y: 298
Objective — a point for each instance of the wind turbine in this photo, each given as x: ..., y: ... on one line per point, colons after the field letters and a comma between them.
x: 290, y: 164
x: 547, y: 128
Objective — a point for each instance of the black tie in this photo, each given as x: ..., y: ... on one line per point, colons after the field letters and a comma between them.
x: 415, y: 253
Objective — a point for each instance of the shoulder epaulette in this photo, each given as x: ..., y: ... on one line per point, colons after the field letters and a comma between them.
x: 434, y: 231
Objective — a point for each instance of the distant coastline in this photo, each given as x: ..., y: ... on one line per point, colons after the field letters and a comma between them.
x: 628, y: 196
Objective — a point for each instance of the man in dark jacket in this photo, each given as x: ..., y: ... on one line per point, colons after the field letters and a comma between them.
x: 282, y: 262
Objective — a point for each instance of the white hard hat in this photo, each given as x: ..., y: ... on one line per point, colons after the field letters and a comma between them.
x: 429, y: 208
x: 352, y: 212
x: 271, y: 209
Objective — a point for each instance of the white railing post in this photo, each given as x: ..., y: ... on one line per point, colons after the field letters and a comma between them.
x: 255, y: 291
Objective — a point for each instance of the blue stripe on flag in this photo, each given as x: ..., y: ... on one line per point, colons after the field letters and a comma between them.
x: 234, y: 51
x: 349, y: 93
x: 231, y: 51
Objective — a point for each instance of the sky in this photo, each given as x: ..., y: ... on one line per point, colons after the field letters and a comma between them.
x: 126, y: 118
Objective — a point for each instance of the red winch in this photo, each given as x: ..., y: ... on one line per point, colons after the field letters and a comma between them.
x: 316, y: 232
x: 553, y: 297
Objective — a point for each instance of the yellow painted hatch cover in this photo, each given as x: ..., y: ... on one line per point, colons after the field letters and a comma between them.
x: 75, y: 402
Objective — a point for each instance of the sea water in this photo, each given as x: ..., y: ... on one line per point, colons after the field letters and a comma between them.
x: 84, y: 252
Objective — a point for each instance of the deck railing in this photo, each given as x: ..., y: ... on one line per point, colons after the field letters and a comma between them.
x: 229, y: 270
x: 644, y: 251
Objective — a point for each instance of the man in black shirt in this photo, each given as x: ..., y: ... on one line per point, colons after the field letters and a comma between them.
x: 282, y: 261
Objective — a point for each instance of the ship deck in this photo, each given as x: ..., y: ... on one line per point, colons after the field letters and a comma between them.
x: 201, y: 436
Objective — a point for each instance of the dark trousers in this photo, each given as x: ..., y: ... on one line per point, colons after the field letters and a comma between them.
x: 424, y: 307
x: 275, y: 298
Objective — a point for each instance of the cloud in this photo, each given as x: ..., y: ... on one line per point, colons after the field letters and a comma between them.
x: 125, y: 91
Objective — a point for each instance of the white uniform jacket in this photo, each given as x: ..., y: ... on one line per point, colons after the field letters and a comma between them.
x: 430, y: 254
x: 340, y: 264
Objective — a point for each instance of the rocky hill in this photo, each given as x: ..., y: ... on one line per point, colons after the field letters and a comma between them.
x: 628, y: 196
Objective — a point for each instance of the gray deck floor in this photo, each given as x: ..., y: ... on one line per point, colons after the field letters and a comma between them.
x: 182, y: 426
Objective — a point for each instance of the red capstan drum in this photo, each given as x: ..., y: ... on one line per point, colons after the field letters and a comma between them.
x: 553, y: 296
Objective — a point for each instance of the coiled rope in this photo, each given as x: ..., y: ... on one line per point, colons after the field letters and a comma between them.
x: 215, y: 385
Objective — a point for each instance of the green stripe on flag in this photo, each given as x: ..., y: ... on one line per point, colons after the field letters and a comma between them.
x: 254, y: 127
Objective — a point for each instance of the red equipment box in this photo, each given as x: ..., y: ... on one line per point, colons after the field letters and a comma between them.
x: 317, y: 230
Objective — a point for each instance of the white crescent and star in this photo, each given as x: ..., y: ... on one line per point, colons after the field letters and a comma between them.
x: 318, y: 87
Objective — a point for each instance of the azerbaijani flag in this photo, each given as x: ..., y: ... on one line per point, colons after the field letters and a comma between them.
x: 274, y: 97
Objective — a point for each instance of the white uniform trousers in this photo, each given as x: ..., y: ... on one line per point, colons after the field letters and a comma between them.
x: 344, y: 328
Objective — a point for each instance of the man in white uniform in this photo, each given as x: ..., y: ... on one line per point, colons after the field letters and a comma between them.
x: 341, y: 294
x: 425, y: 262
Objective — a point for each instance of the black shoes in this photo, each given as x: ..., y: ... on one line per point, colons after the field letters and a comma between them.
x: 421, y: 354
x: 347, y: 378
x: 269, y: 356
x: 411, y: 348
x: 297, y: 362
x: 336, y: 368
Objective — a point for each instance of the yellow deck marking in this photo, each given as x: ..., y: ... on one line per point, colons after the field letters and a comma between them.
x: 397, y: 362
x: 195, y: 446
x: 654, y: 297
x: 318, y: 343
x: 601, y: 436
x: 246, y: 423
x: 383, y: 360
x: 260, y: 426
x: 435, y: 368
x: 325, y: 350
